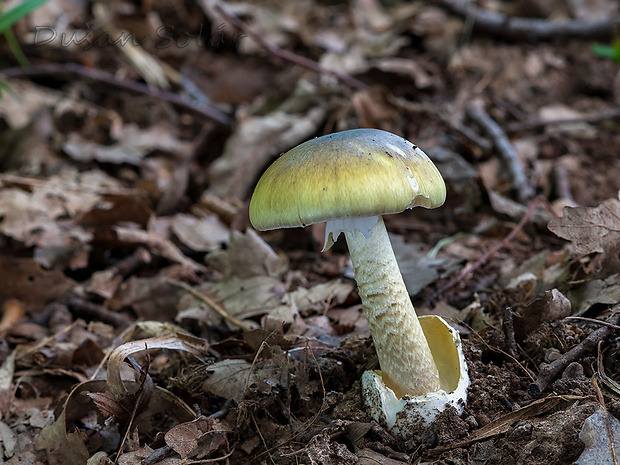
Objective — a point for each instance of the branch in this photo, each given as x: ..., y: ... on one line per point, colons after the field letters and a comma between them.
x: 493, y: 250
x: 525, y: 192
x: 549, y: 373
x: 47, y: 69
x: 285, y: 54
x: 530, y: 29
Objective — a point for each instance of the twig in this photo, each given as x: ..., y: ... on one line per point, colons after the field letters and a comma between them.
x: 109, y: 79
x: 82, y: 308
x: 562, y: 183
x: 145, y: 387
x: 39, y: 345
x: 444, y: 115
x: 530, y: 29
x: 306, y: 426
x: 549, y: 373
x: 287, y: 55
x: 600, y: 372
x: 219, y: 310
x: 482, y: 260
x: 510, y: 331
x: 593, y: 320
x: 498, y: 350
x: 506, y: 150
x: 157, y: 455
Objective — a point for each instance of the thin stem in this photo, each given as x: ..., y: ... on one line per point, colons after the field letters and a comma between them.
x: 406, y: 361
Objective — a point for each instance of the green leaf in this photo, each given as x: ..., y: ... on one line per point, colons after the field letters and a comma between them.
x: 10, y: 17
x: 11, y: 40
x: 607, y: 51
x: 5, y: 86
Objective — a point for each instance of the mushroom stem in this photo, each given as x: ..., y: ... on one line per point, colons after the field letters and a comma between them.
x: 406, y: 362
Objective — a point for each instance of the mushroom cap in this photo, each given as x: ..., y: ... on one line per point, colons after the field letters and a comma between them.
x: 350, y: 174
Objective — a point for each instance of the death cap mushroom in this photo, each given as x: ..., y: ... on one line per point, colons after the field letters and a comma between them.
x: 360, y: 173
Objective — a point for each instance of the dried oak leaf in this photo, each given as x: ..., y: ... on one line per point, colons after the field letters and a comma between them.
x: 198, y: 438
x: 590, y: 229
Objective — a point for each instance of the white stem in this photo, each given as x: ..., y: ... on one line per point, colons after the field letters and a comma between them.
x: 405, y: 358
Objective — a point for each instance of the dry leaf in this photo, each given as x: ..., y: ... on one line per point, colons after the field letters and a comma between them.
x: 61, y: 447
x: 558, y: 112
x: 7, y: 369
x: 156, y: 244
x: 590, y: 229
x: 180, y: 341
x: 198, y: 438
x: 30, y: 283
x: 201, y: 234
x: 418, y: 269
x: 597, y: 291
x: 601, y: 435
x: 12, y: 311
x: 370, y: 457
x: 234, y: 378
x: 253, y: 144
x: 318, y: 296
x: 552, y: 306
x: 228, y: 379
x: 248, y: 255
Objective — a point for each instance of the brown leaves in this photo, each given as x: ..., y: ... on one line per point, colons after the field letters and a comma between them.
x: 199, y: 438
x: 24, y: 279
x: 590, y: 229
x: 593, y: 230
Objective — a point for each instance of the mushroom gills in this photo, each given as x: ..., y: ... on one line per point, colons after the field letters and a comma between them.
x: 333, y: 228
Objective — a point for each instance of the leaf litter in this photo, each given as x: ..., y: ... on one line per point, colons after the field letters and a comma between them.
x: 145, y: 321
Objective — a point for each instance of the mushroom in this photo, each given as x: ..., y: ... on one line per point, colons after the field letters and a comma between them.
x: 349, y: 180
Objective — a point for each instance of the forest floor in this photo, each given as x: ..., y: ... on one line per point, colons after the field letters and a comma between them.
x: 145, y: 321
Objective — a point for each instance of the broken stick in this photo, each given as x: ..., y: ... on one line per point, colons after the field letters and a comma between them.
x: 549, y: 373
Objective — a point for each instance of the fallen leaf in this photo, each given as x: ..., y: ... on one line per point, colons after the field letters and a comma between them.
x: 235, y: 378
x: 32, y: 102
x: 590, y: 229
x: 30, y: 283
x: 228, y: 379
x: 408, y: 68
x: 245, y: 298
x: 319, y: 296
x: 597, y: 291
x: 456, y: 171
x: 601, y: 435
x: 248, y: 255
x: 8, y: 440
x: 198, y: 438
x: 552, y: 306
x: 255, y: 141
x: 151, y: 298
x: 201, y: 234
x: 370, y: 457
x: 418, y: 269
x: 179, y: 341
x: 12, y: 311
x: 7, y: 369
x: 559, y: 112
x: 61, y: 447
x: 154, y: 242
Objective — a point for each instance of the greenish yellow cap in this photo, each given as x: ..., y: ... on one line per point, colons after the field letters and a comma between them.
x: 349, y: 174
